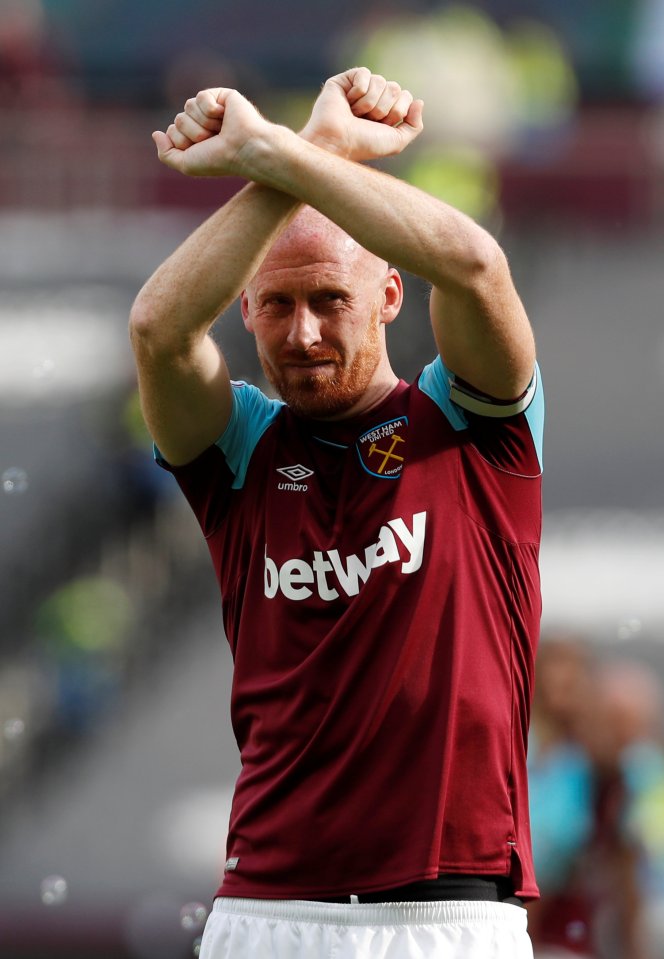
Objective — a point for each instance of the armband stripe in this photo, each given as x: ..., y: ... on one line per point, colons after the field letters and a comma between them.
x: 488, y: 406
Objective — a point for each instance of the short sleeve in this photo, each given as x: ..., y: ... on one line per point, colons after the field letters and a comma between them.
x: 207, y: 481
x: 251, y: 414
x: 508, y: 432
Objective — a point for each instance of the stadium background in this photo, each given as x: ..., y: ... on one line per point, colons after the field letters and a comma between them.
x: 545, y: 120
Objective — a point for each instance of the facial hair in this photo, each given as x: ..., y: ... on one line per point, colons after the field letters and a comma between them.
x: 321, y: 396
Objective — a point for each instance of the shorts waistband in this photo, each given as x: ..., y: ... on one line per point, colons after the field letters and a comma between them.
x: 373, y: 914
x: 457, y: 888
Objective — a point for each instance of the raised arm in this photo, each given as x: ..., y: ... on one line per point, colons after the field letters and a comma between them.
x: 480, y: 326
x: 479, y: 323
x: 183, y: 379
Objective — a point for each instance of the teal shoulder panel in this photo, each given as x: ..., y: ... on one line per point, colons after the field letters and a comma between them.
x: 438, y: 383
x: 535, y: 418
x: 436, y: 380
x: 252, y: 414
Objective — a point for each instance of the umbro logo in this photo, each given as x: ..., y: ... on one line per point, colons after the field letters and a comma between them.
x: 296, y: 474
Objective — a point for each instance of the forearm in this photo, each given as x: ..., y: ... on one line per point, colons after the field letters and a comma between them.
x: 209, y: 270
x: 391, y: 218
x: 479, y: 322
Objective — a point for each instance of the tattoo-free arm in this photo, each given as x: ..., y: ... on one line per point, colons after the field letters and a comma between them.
x: 479, y: 323
x: 183, y: 379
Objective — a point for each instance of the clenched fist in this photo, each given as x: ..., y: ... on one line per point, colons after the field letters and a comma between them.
x: 358, y: 115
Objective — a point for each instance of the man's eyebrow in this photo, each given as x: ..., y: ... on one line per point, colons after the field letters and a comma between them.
x: 331, y: 285
x: 270, y: 291
x: 341, y: 288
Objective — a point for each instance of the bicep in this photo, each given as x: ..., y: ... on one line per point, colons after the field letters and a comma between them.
x: 482, y: 331
x: 185, y: 397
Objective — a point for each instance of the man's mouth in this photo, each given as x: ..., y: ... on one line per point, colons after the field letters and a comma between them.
x: 316, y: 365
x: 311, y: 365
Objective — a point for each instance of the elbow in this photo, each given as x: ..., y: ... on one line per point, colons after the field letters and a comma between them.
x: 487, y: 263
x: 147, y: 328
x: 476, y: 265
x: 158, y: 327
x: 141, y: 320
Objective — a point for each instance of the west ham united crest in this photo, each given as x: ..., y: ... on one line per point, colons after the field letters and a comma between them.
x: 382, y: 448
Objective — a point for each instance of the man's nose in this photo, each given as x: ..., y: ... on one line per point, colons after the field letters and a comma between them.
x: 304, y: 329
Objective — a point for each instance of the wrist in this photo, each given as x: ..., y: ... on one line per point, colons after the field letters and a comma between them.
x: 328, y: 144
x: 261, y: 157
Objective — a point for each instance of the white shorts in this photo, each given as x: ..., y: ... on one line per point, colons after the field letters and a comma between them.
x: 295, y: 929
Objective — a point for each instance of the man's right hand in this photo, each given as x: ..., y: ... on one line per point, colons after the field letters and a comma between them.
x: 208, y: 136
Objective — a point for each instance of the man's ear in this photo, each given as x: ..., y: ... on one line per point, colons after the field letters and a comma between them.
x: 244, y: 306
x: 393, y: 296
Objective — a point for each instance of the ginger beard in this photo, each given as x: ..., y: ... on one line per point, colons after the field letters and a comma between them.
x: 330, y: 393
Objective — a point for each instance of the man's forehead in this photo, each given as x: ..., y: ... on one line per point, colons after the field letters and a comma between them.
x: 317, y: 246
x: 331, y: 247
x: 305, y: 272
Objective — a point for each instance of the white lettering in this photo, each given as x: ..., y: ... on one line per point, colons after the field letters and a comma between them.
x: 295, y: 571
x: 381, y: 432
x: 271, y: 576
x: 384, y: 551
x: 414, y: 542
x: 295, y: 575
x: 321, y: 567
x: 349, y: 578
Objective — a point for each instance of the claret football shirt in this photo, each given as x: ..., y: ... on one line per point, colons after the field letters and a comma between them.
x: 380, y: 595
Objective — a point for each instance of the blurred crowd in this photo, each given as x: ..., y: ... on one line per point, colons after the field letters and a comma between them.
x: 514, y: 81
x: 596, y: 762
x: 121, y: 51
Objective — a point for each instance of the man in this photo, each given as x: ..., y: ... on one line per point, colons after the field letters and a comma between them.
x: 375, y: 543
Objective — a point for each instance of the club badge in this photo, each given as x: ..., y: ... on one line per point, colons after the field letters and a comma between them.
x: 382, y: 448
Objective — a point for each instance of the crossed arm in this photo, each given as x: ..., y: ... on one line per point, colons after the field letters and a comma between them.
x: 479, y: 323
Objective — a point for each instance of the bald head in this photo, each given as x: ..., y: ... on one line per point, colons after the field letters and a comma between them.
x: 312, y: 238
x: 318, y: 307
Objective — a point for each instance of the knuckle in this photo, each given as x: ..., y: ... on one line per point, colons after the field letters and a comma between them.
x: 205, y: 101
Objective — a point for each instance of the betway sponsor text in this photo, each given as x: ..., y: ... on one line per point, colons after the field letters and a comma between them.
x: 329, y: 574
